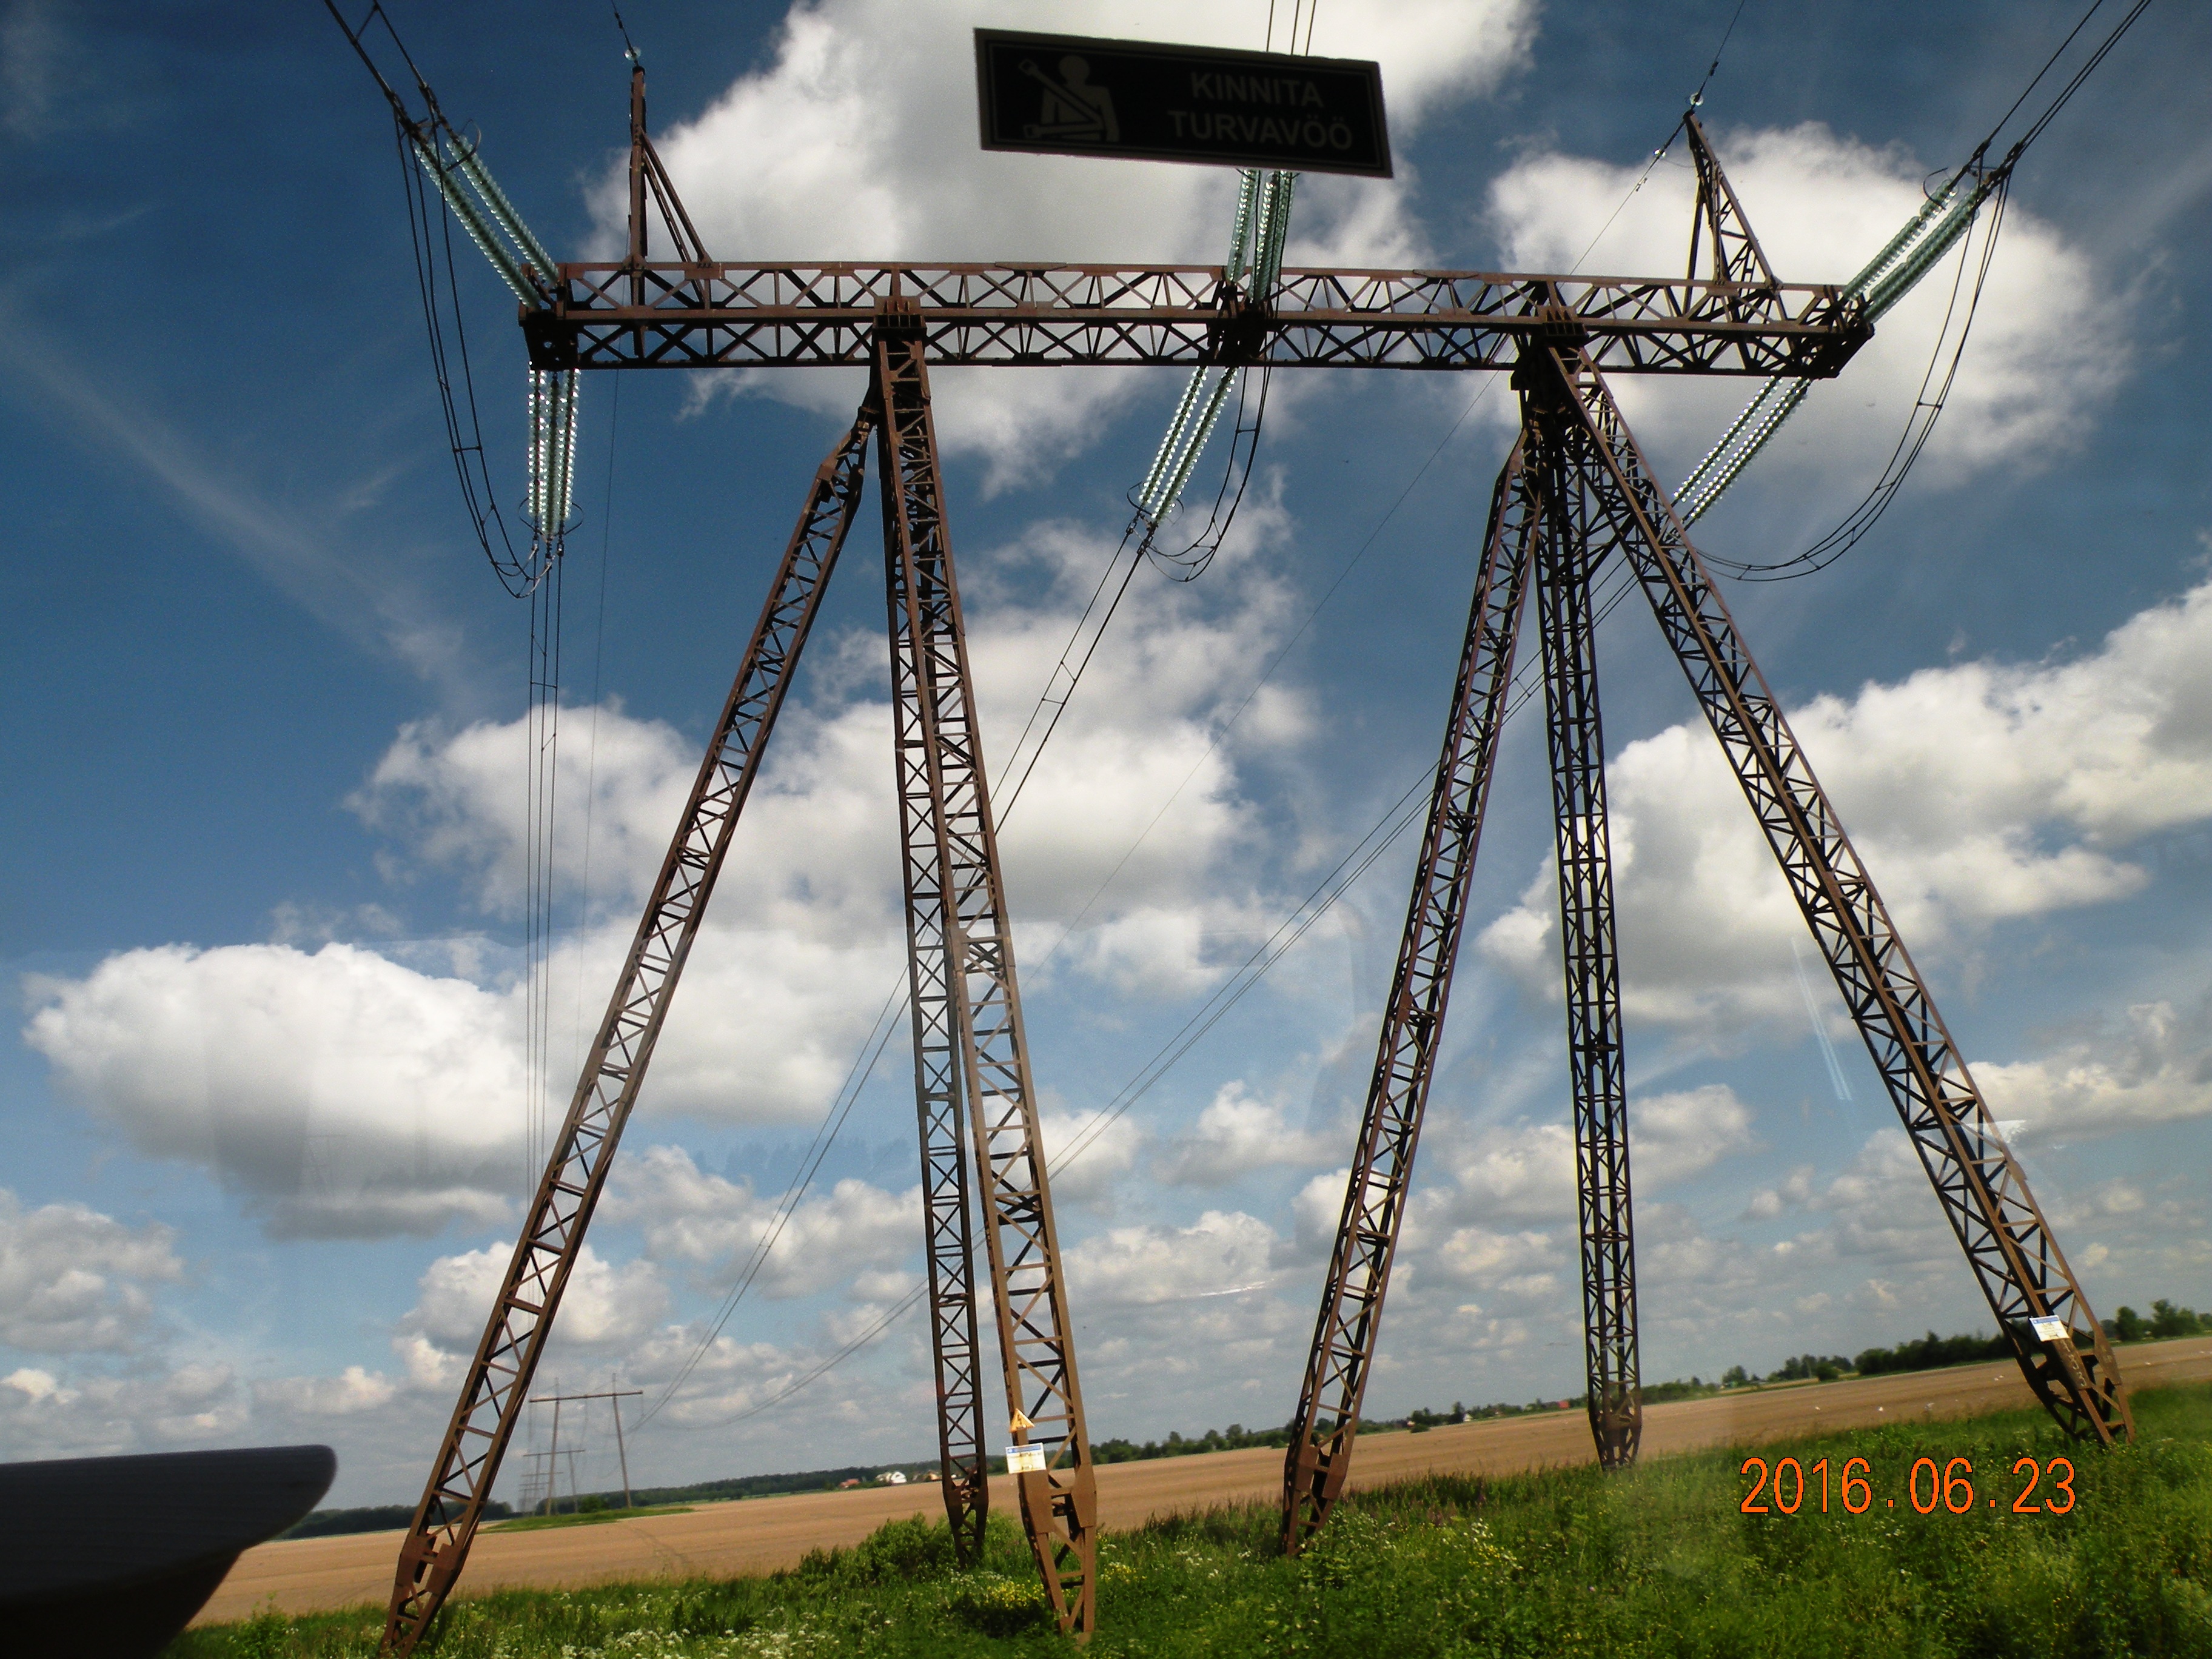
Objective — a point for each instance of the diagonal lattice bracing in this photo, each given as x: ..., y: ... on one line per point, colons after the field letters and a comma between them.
x: 1979, y: 1185
x: 1343, y: 1352
x: 695, y: 311
x: 944, y: 801
x: 704, y: 315
x: 938, y: 1066
x: 1566, y: 559
x: 498, y: 1379
x: 1737, y: 258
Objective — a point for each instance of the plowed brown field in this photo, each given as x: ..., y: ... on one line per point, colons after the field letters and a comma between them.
x: 762, y: 1535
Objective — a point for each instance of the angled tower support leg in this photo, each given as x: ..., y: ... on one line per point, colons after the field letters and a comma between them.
x: 1328, y: 1421
x: 948, y: 1237
x: 2039, y: 1303
x: 948, y: 1242
x: 498, y: 1380
x: 1565, y: 561
x: 934, y: 717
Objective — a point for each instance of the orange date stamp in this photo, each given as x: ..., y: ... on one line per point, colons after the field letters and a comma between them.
x: 1789, y: 1488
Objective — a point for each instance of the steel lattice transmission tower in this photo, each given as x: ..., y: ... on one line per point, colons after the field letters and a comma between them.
x: 1574, y: 493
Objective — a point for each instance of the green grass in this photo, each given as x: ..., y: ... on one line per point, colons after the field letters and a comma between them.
x: 1657, y: 1562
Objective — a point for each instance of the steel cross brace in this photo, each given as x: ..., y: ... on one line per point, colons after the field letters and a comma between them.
x: 710, y: 314
x: 1577, y: 481
x: 1328, y: 1420
x: 911, y: 516
x: 1980, y: 1187
x: 969, y: 1045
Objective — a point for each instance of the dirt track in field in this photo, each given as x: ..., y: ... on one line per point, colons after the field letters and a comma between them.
x: 764, y: 1533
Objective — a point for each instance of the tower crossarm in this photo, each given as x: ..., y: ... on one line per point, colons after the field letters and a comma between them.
x: 704, y: 314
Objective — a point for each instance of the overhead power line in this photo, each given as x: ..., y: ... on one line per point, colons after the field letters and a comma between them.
x: 1944, y: 221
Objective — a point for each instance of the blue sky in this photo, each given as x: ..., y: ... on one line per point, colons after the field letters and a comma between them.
x: 264, y: 1089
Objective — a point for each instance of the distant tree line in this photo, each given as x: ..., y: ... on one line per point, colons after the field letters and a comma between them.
x: 1931, y: 1351
x: 772, y: 1486
x: 379, y: 1517
x: 2165, y: 1322
x: 1234, y: 1437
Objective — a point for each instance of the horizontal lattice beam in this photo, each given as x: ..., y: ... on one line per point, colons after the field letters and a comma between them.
x: 711, y: 315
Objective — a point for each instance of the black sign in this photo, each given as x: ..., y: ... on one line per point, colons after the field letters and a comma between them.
x: 1064, y: 94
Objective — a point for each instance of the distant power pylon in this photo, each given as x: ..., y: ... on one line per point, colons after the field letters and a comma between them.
x: 614, y: 1397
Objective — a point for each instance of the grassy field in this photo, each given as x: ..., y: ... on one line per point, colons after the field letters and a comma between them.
x: 1660, y: 1561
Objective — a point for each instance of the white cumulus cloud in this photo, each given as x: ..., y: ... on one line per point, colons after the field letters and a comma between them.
x: 73, y: 1280
x: 2047, y: 349
x: 1526, y: 1171
x: 718, y: 1226
x: 1237, y: 1134
x: 857, y: 142
x: 2151, y: 1066
x: 339, y: 1093
x: 1976, y: 793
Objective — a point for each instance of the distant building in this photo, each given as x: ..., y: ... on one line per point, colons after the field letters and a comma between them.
x: 841, y: 1484
x: 890, y: 1478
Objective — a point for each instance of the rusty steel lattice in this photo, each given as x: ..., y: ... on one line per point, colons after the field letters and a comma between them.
x: 1596, y: 1065
x: 1586, y: 492
x: 943, y: 798
x: 912, y: 520
x: 1983, y: 1193
x: 1574, y: 490
x: 713, y: 315
x: 1328, y: 1417
x: 1737, y: 257
x: 499, y: 1377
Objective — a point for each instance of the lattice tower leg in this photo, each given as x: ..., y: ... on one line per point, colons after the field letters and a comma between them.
x: 935, y: 723
x: 1980, y: 1186
x: 945, y: 1163
x: 498, y: 1381
x: 1592, y: 962
x: 1327, y: 1425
